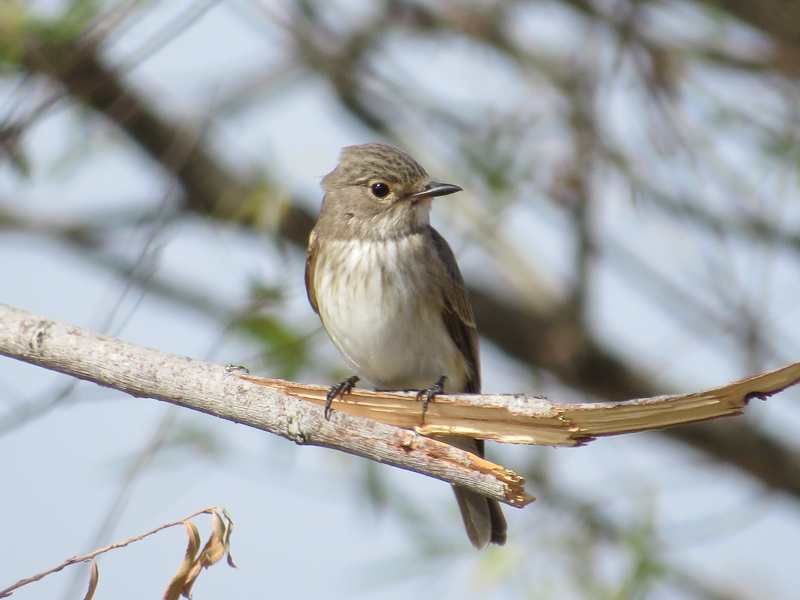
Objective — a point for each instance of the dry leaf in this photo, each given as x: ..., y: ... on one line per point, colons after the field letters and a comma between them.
x: 217, y: 546
x: 214, y: 549
x: 226, y: 540
x: 94, y: 575
x: 178, y: 582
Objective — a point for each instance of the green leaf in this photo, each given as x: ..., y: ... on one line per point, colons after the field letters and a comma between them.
x: 286, y: 351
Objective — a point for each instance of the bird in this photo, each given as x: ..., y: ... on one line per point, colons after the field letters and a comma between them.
x: 390, y: 295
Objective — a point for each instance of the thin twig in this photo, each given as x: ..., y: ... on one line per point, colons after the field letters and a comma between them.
x: 87, y: 557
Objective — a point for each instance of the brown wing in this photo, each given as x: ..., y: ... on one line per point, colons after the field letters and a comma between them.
x: 483, y: 518
x: 311, y: 263
x: 457, y: 313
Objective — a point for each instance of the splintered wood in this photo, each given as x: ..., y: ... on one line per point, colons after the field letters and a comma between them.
x: 521, y: 419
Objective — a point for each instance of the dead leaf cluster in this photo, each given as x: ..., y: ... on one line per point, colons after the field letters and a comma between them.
x: 217, y: 547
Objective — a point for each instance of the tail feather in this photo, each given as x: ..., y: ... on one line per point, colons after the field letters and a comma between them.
x: 482, y: 516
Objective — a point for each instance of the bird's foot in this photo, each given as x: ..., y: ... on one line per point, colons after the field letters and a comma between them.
x: 339, y: 389
x: 427, y: 394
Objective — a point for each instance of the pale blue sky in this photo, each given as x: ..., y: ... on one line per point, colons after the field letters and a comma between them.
x: 301, y: 528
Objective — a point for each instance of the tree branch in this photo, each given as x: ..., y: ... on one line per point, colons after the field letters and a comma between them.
x: 383, y: 426
x: 218, y: 391
x: 522, y: 419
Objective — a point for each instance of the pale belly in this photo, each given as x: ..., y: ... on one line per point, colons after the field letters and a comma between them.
x: 386, y: 320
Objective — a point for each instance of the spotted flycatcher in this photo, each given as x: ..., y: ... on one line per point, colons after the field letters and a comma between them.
x: 391, y: 297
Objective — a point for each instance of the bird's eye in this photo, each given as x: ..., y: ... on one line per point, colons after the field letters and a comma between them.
x: 379, y: 190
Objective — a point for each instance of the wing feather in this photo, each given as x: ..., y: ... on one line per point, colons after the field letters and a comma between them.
x: 311, y: 264
x: 457, y: 313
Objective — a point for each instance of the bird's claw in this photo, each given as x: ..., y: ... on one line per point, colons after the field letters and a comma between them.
x: 338, y: 389
x: 427, y: 394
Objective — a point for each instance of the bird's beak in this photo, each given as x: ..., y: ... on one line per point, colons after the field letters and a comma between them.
x: 434, y: 188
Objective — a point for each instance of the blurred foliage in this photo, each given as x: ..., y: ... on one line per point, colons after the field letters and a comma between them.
x: 285, y: 351
x: 625, y: 152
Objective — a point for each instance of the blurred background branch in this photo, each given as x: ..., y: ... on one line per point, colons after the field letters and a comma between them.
x: 630, y: 226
